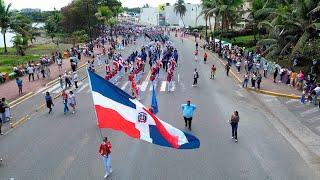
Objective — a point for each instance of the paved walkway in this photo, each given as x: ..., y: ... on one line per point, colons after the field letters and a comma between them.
x: 267, y: 84
x: 9, y: 90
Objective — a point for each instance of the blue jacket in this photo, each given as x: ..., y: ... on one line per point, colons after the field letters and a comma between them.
x: 187, y: 111
x: 19, y: 82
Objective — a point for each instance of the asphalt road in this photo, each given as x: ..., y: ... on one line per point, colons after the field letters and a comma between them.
x: 58, y: 146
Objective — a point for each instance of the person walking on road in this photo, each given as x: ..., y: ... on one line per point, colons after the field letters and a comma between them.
x: 64, y: 96
x: 213, y: 71
x: 187, y: 112
x: 75, y: 79
x: 253, y: 80
x: 205, y: 57
x: 49, y: 102
x: 259, y: 79
x: 6, y: 110
x: 1, y: 121
x: 105, y: 152
x: 195, y: 77
x: 19, y: 84
x: 72, y: 101
x: 227, y: 67
x: 234, y: 125
x: 30, y: 70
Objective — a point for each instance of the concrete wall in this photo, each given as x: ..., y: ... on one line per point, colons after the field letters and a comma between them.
x: 149, y: 16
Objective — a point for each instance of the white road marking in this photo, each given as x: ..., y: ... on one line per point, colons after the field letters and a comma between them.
x: 83, y: 87
x: 125, y: 85
x: 163, y: 86
x: 144, y: 85
x: 173, y: 86
x: 309, y: 111
x: 292, y: 101
x: 52, y: 88
x: 239, y: 94
x: 40, y: 90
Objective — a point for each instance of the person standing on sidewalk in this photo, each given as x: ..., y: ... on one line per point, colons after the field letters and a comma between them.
x: 64, y: 96
x: 61, y: 81
x: 30, y: 70
x: 238, y: 65
x: 75, y: 79
x: 275, y: 74
x: 187, y: 112
x: 259, y: 79
x: 19, y: 84
x: 234, y: 125
x: 265, y: 70
x: 105, y: 152
x: 245, y: 80
x: 72, y: 101
x: 49, y: 102
x: 227, y: 67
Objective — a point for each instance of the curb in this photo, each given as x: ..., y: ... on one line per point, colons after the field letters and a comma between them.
x: 271, y: 93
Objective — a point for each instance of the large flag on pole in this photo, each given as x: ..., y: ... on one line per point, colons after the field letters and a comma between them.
x: 154, y: 102
x: 117, y: 110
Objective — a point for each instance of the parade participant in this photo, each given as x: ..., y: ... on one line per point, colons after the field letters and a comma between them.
x: 1, y: 120
x: 5, y: 110
x: 213, y: 71
x: 234, y: 125
x: 205, y: 57
x: 196, y: 55
x: 64, y: 96
x: 187, y: 111
x: 49, y: 102
x: 170, y: 80
x: 19, y: 84
x: 75, y: 79
x: 195, y: 77
x: 72, y: 101
x: 105, y: 152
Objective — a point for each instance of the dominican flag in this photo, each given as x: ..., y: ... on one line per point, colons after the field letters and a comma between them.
x: 117, y: 110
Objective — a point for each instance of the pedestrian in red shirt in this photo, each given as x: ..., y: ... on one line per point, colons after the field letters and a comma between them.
x: 205, y: 57
x: 105, y: 151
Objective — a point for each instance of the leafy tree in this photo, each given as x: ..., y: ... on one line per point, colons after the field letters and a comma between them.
x: 180, y: 8
x: 53, y: 25
x: 5, y: 21
x: 20, y: 43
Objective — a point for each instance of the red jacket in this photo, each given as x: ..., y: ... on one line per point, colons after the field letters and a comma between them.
x: 105, y: 148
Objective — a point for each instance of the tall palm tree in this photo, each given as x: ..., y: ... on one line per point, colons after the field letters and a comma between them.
x: 180, y: 8
x: 5, y: 21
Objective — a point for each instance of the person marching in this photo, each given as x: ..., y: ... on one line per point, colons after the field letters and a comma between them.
x: 234, y: 125
x: 105, y: 152
x: 195, y: 77
x: 213, y: 71
x: 49, y: 102
x: 196, y: 55
x: 170, y: 80
x: 187, y: 111
x: 227, y: 67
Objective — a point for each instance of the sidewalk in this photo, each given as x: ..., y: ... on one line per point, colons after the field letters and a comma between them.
x: 9, y: 90
x: 267, y: 84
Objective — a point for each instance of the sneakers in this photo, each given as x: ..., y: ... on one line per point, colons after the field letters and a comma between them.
x: 232, y: 137
x: 106, y: 175
x: 110, y: 170
x: 236, y: 140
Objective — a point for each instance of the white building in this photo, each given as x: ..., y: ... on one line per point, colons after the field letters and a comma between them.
x: 150, y: 16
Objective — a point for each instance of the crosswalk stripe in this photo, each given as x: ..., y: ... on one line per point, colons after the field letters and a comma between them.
x: 163, y: 86
x: 144, y: 85
x: 309, y: 111
x: 82, y: 87
x: 292, y: 101
x: 125, y: 85
x: 173, y: 86
x: 314, y: 119
x: 52, y: 88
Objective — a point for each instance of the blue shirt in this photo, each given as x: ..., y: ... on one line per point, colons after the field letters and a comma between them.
x: 19, y: 82
x: 187, y: 111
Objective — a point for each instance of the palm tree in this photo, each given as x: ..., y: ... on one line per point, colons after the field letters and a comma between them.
x: 5, y: 21
x: 180, y: 8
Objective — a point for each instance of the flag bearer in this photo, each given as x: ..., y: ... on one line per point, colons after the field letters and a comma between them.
x: 105, y: 151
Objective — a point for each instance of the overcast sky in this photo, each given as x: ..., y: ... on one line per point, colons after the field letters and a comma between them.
x: 51, y: 4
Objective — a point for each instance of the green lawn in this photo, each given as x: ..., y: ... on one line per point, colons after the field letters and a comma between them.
x: 8, y: 61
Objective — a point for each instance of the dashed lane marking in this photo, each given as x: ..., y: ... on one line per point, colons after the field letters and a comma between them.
x: 125, y: 85
x: 163, y: 86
